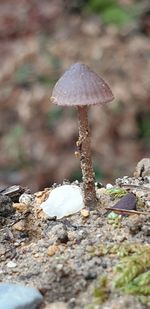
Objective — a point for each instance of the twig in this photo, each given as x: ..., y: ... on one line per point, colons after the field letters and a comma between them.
x: 128, y: 212
x: 134, y: 186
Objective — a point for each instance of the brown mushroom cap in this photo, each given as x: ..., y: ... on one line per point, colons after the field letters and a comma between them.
x: 81, y: 86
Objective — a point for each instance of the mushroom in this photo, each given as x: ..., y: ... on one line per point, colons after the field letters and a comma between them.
x: 81, y: 87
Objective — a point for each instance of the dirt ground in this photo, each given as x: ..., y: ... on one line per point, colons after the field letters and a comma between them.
x: 73, y: 260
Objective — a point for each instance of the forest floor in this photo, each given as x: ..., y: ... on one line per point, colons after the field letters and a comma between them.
x: 92, y: 259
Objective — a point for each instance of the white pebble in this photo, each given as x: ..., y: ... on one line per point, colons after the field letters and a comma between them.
x: 109, y: 186
x: 27, y: 199
x: 11, y: 264
x: 63, y: 201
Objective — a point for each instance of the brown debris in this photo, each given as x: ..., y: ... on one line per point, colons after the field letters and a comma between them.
x: 20, y: 225
x: 52, y: 250
x: 20, y: 207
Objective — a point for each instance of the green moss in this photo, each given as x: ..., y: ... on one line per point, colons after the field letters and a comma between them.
x: 131, y: 275
x: 114, y: 219
x: 116, y: 192
x: 100, y: 293
x: 121, y: 251
x: 134, y: 274
x: 127, y: 249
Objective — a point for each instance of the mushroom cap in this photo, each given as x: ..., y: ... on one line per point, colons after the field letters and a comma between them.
x: 81, y: 86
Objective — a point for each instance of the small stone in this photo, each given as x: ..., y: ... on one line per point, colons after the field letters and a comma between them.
x: 59, y: 267
x: 63, y: 238
x: 2, y: 249
x: 6, y: 208
x: 27, y: 199
x: 19, y: 226
x: 134, y: 224
x: 14, y: 296
x: 77, y: 236
x: 63, y: 201
x: 90, y: 275
x: 58, y: 234
x: 52, y: 250
x: 36, y: 255
x: 143, y: 168
x: 147, y: 203
x: 147, y: 179
x: 11, y: 264
x: 72, y: 235
x: 17, y: 244
x: 14, y: 192
x: 85, y: 213
x: 146, y: 230
x: 109, y: 186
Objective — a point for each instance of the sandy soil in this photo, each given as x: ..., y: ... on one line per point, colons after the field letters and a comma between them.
x: 70, y: 259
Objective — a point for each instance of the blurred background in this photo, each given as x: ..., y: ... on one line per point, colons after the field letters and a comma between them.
x: 39, y: 40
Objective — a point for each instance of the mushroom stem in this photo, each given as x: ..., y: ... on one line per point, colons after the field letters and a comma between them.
x: 84, y: 149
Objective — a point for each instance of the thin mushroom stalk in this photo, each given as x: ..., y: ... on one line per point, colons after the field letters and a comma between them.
x: 81, y: 87
x: 84, y: 148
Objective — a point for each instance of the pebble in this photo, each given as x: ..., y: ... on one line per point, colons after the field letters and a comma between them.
x: 58, y: 234
x: 52, y: 250
x: 2, y: 249
x: 77, y: 236
x: 72, y: 235
x: 109, y: 186
x: 36, y: 255
x: 143, y: 168
x: 147, y: 179
x: 85, y: 213
x: 134, y: 224
x: 27, y: 199
x: 63, y: 201
x: 146, y: 230
x: 147, y: 203
x: 11, y: 264
x: 90, y: 275
x: 19, y: 226
x: 6, y: 208
x: 14, y: 296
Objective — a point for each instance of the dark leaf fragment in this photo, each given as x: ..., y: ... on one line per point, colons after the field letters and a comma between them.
x: 126, y: 203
